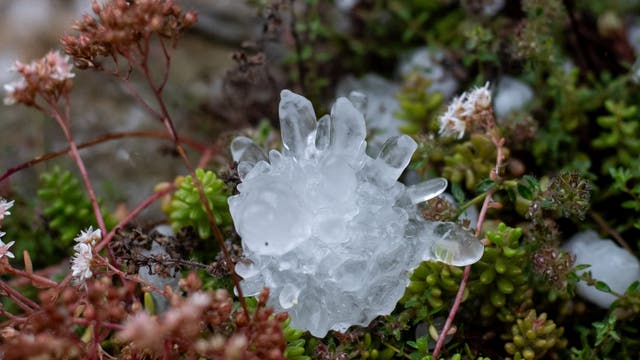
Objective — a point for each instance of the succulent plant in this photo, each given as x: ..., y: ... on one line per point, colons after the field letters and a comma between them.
x: 185, y: 208
x: 67, y: 208
x: 433, y: 285
x: 532, y: 336
x: 499, y: 278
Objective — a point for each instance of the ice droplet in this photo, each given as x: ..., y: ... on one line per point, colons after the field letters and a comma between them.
x: 426, y: 190
x: 453, y: 245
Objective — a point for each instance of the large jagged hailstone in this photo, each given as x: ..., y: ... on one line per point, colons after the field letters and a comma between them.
x: 329, y: 229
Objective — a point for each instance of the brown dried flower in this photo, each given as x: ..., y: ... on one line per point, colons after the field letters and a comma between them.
x: 123, y: 27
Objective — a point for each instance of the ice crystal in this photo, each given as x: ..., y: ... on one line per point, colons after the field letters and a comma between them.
x: 328, y: 228
x: 379, y: 108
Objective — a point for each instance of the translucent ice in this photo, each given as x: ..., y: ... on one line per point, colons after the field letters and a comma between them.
x: 328, y: 228
x: 375, y: 98
x: 609, y: 263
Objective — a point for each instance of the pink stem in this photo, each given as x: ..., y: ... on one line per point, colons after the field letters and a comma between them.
x: 495, y: 172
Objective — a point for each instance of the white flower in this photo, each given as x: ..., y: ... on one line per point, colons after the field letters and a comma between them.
x: 480, y: 97
x: 81, y: 263
x: 462, y: 109
x: 89, y: 236
x: 4, y: 248
x: 4, y: 208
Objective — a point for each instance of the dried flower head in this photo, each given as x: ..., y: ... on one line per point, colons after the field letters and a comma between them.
x: 465, y: 111
x: 49, y: 77
x: 4, y: 248
x: 81, y: 263
x: 121, y: 27
x: 4, y: 208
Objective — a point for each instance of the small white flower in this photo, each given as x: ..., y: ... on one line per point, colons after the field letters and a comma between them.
x: 454, y: 121
x: 479, y: 97
x: 89, y: 237
x: 451, y: 123
x: 4, y: 208
x: 4, y: 248
x: 81, y: 263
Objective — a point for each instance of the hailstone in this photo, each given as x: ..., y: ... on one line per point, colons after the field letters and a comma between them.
x: 328, y: 228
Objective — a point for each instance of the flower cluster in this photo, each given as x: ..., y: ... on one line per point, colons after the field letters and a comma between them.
x: 4, y: 211
x: 49, y: 77
x: 121, y: 26
x: 81, y: 262
x: 464, y: 111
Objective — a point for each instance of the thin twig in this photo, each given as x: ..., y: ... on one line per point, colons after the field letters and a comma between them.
x: 104, y: 138
x: 609, y: 230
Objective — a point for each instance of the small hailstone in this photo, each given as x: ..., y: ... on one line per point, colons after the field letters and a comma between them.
x: 429, y: 62
x: 4, y: 208
x: 610, y: 263
x: 81, y: 263
x: 329, y: 229
x: 511, y: 95
x: 4, y: 248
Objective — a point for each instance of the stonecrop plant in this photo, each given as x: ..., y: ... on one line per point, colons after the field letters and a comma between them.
x: 472, y: 193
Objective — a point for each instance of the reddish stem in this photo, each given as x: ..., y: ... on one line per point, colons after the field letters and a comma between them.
x: 22, y: 301
x: 495, y: 173
x: 35, y: 279
x: 104, y: 138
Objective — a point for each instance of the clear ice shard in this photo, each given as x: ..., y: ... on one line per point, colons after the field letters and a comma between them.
x: 297, y: 123
x: 347, y: 130
x: 243, y: 149
x: 394, y: 156
x: 328, y: 228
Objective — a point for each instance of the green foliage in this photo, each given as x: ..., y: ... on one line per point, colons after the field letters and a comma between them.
x: 621, y: 133
x: 295, y: 342
x: 499, y: 280
x: 66, y: 207
x: 186, y: 209
x: 417, y: 105
x: 433, y: 286
x: 471, y: 161
x: 533, y: 336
